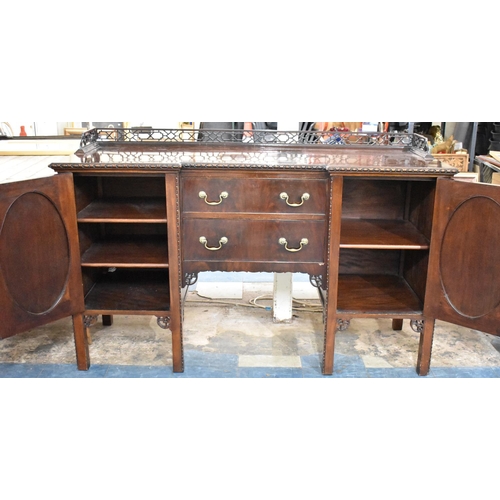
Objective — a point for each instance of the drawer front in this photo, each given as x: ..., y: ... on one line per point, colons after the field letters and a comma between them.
x: 234, y: 240
x: 223, y: 194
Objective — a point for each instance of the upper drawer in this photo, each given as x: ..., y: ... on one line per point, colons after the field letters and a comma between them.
x: 222, y: 194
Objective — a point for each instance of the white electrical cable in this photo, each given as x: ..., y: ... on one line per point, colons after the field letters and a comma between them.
x: 305, y: 306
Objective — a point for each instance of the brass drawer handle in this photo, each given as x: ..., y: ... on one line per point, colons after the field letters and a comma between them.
x: 304, y: 197
x: 223, y: 195
x: 222, y: 241
x: 303, y: 242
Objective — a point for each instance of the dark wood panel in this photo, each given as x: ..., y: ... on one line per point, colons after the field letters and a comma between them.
x: 374, y: 199
x: 44, y: 263
x: 86, y: 190
x: 130, y: 291
x: 376, y: 295
x: 358, y: 233
x: 421, y: 206
x: 253, y: 194
x: 127, y: 252
x: 125, y: 210
x: 356, y: 261
x: 254, y: 240
x: 116, y: 186
x: 415, y: 267
x: 40, y: 278
x: 464, y: 268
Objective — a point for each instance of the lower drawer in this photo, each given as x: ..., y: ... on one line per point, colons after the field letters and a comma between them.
x: 214, y: 240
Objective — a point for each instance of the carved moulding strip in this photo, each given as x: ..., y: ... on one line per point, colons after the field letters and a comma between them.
x: 393, y: 170
x: 114, y: 166
x: 179, y: 263
x: 252, y: 166
x: 324, y: 298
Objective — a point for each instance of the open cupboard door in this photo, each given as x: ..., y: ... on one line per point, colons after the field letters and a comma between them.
x: 40, y: 277
x: 464, y: 268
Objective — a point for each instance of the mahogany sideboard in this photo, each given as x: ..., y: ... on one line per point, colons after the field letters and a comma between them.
x: 380, y: 226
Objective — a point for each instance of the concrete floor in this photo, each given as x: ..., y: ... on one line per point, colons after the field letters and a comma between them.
x: 234, y: 340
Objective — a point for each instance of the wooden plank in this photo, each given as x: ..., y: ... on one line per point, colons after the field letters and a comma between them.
x: 125, y: 210
x: 381, y: 234
x: 376, y: 295
x: 128, y: 252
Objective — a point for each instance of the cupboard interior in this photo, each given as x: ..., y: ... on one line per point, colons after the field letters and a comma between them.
x: 123, y: 243
x: 126, y: 290
x: 384, y: 246
x: 116, y: 198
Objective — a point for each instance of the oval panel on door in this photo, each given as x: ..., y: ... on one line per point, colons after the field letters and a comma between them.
x: 468, y: 257
x: 35, y: 274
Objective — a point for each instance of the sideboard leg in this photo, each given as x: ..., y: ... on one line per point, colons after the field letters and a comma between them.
x: 397, y: 324
x: 329, y: 347
x: 338, y: 324
x: 177, y: 347
x: 88, y: 335
x: 107, y: 319
x: 425, y: 347
x: 81, y: 343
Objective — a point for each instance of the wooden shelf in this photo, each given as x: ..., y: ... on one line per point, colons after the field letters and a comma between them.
x: 150, y: 251
x: 381, y: 234
x: 125, y: 210
x: 130, y: 291
x: 377, y: 295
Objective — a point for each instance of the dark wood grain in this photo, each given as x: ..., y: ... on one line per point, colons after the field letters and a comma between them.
x: 368, y: 261
x: 130, y: 291
x: 254, y: 240
x: 40, y: 278
x: 464, y: 265
x: 254, y: 194
x: 377, y: 295
x: 374, y: 199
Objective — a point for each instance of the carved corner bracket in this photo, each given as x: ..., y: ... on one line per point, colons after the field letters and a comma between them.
x: 316, y: 280
x: 163, y: 322
x: 190, y: 279
x: 417, y: 325
x: 89, y: 320
x: 343, y: 324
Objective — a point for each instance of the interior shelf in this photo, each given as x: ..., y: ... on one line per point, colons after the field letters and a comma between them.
x: 378, y: 295
x: 125, y: 210
x: 381, y: 234
x: 147, y: 251
x: 130, y: 291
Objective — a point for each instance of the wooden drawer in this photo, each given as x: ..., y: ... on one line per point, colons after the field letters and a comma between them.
x: 251, y: 194
x: 254, y: 240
